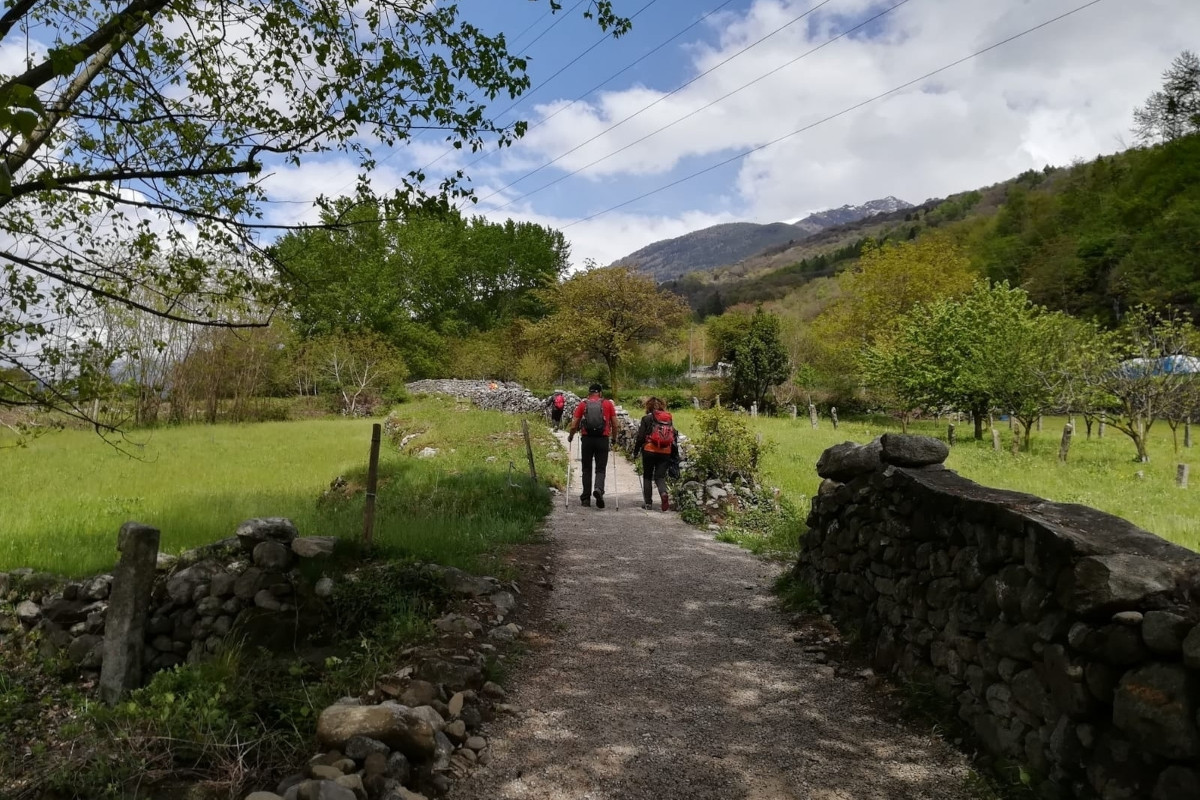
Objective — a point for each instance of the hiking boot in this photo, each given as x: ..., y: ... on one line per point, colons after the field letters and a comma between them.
x: 647, y: 506
x: 584, y: 500
x: 666, y: 503
x: 599, y: 499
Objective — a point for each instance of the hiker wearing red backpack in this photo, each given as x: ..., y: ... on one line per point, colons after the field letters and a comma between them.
x: 593, y: 420
x: 556, y: 403
x: 656, y: 442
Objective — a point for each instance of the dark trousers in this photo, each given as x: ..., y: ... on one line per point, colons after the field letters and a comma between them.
x: 654, y: 473
x: 556, y: 416
x: 593, y: 448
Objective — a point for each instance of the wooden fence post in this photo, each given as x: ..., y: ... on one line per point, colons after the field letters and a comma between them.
x: 1100, y: 429
x: 529, y: 449
x: 812, y: 415
x: 372, y: 482
x: 1181, y: 476
x: 1064, y: 447
x: 833, y: 416
x: 996, y: 440
x: 1187, y: 431
x: 1016, y: 441
x: 793, y: 410
x: 950, y: 434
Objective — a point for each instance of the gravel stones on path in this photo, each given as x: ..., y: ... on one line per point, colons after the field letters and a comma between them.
x: 668, y: 673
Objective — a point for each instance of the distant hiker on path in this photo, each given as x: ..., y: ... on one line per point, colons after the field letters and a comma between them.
x: 556, y: 403
x: 593, y: 420
x: 656, y: 442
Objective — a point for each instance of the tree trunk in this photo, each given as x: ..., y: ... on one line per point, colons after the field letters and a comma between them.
x: 977, y: 414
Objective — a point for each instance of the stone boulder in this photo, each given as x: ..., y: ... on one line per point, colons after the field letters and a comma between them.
x: 395, y: 725
x: 181, y: 587
x: 458, y: 624
x: 272, y: 556
x: 907, y: 450
x: 314, y: 546
x: 265, y: 529
x: 1104, y: 584
x: 846, y: 461
x: 453, y: 675
x: 1156, y: 706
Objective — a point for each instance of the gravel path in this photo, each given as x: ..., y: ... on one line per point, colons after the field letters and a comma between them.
x: 669, y: 674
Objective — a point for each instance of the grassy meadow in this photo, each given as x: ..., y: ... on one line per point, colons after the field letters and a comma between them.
x: 66, y: 494
x: 1100, y: 472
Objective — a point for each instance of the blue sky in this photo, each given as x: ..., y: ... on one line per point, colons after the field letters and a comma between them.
x: 1061, y: 93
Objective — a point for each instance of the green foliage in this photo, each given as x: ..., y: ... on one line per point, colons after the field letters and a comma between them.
x: 132, y: 164
x: 1173, y: 111
x: 795, y: 594
x: 767, y: 529
x: 419, y: 280
x: 609, y: 314
x: 759, y: 360
x: 724, y: 447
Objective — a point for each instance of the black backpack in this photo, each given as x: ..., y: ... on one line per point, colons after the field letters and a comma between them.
x: 593, y: 418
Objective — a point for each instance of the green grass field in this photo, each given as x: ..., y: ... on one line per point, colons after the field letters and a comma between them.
x: 1100, y: 473
x: 65, y: 496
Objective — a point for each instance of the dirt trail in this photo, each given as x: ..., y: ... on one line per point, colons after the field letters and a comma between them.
x: 668, y: 673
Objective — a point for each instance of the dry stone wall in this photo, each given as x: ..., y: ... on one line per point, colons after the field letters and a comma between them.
x: 1067, y: 639
x: 247, y: 584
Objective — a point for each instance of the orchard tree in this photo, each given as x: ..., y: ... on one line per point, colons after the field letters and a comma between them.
x: 1147, y: 369
x: 609, y: 312
x: 138, y: 134
x: 760, y: 361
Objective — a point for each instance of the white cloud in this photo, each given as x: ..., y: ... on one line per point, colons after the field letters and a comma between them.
x: 1064, y: 92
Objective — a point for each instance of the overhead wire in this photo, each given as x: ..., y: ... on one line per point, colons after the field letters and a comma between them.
x: 607, y: 80
x: 660, y: 99
x: 694, y: 112
x: 836, y: 115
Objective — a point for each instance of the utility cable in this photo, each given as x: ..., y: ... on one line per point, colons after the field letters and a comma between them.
x: 671, y: 93
x: 834, y: 116
x: 693, y: 113
x: 604, y: 82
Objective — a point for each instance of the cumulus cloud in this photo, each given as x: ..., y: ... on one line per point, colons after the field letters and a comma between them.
x: 1064, y: 92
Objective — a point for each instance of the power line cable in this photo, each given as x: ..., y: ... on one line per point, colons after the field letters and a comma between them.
x: 653, y: 103
x: 524, y: 95
x: 607, y: 80
x: 834, y: 116
x: 693, y: 113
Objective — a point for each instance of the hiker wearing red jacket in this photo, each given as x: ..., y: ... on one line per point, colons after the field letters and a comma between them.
x: 556, y: 403
x: 593, y: 420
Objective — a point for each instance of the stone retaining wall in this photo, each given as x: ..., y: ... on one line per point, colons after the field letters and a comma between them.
x: 246, y: 584
x: 1065, y: 638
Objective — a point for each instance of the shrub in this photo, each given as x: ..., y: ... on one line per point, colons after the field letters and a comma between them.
x: 724, y: 447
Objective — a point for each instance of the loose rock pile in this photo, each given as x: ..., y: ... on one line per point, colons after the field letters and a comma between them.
x: 512, y: 398
x: 1068, y: 640
x: 248, y: 581
x: 418, y: 727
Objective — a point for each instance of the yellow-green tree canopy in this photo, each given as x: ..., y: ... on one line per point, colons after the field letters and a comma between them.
x: 608, y: 312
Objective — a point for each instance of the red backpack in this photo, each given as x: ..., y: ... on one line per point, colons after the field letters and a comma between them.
x: 662, y: 434
x: 559, y: 401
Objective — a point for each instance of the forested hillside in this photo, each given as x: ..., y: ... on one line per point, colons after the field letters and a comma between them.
x: 1091, y: 239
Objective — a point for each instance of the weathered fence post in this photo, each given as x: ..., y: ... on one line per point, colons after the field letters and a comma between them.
x: 754, y: 409
x: 528, y: 449
x: 996, y: 440
x: 1187, y: 431
x: 372, y: 482
x: 1064, y: 446
x: 793, y: 410
x: 128, y: 611
x: 718, y: 401
x: 1100, y: 428
x: 950, y: 440
x: 1016, y: 441
x: 1181, y: 476
x: 833, y: 416
x: 695, y: 402
x: 1039, y: 423
x: 812, y: 415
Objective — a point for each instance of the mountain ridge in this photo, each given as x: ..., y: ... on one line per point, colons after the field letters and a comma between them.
x: 730, y: 242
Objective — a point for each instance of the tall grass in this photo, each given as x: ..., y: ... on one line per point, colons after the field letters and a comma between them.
x: 1100, y: 473
x: 64, y: 497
